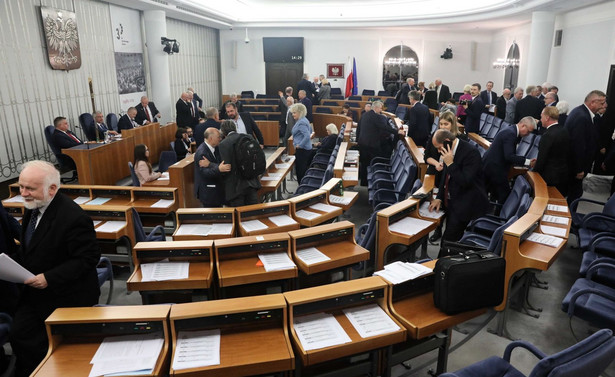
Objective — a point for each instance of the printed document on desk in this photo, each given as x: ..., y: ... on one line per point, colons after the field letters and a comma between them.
x: 14, y: 199
x: 370, y: 320
x: 162, y: 203
x: 276, y: 261
x: 160, y: 271
x: 552, y: 230
x: 339, y: 199
x: 197, y: 349
x: 555, y: 219
x: 324, y: 207
x: 319, y: 330
x: 545, y: 239
x: 282, y: 220
x: 111, y: 226
x: 311, y: 256
x: 193, y: 230
x: 164, y: 176
x: 253, y: 225
x: 398, y: 272
x: 307, y: 215
x: 556, y: 208
x: 409, y: 226
x: 81, y: 199
x: 221, y: 229
x: 12, y: 271
x: 127, y: 353
x: 98, y: 201
x: 424, y: 211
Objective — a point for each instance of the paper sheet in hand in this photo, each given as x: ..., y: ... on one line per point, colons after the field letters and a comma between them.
x: 127, y: 353
x: 162, y: 203
x: 164, y: 176
x: 319, y: 330
x: 308, y: 215
x: 555, y: 219
x: 311, y: 256
x: 276, y: 261
x: 398, y: 272
x: 554, y: 231
x: 197, y: 349
x: 424, y: 211
x: 324, y: 207
x: 111, y: 226
x: 545, y: 239
x: 81, y: 199
x: 12, y: 271
x: 370, y: 320
x: 193, y: 230
x: 556, y: 208
x: 14, y: 199
x: 409, y: 226
x: 98, y: 201
x: 339, y: 199
x: 252, y: 225
x: 282, y: 220
x: 161, y: 271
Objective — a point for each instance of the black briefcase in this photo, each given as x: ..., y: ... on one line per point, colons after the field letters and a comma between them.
x: 468, y: 280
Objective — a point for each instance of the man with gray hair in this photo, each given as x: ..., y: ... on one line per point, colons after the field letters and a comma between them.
x: 306, y: 85
x: 529, y: 105
x: 213, y: 120
x: 511, y: 104
x: 501, y: 155
x: 500, y: 104
x: 59, y: 247
x: 307, y: 103
x: 208, y: 170
x: 101, y: 127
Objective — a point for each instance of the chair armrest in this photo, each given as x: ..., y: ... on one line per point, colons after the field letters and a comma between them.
x: 600, y: 222
x: 380, y: 160
x: 378, y: 195
x: 476, y: 239
x: 523, y: 344
x: 597, y: 264
x: 157, y: 229
x: 361, y: 233
x: 575, y: 203
x: 381, y: 174
x: 382, y: 183
x: 585, y: 291
x: 486, y: 220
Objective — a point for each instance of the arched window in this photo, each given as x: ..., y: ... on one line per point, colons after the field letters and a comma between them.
x: 511, y: 75
x: 400, y: 63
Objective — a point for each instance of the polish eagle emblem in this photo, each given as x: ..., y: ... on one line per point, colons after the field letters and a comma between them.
x: 335, y: 71
x: 62, y: 39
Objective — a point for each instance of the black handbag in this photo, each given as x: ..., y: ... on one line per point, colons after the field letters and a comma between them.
x: 469, y: 279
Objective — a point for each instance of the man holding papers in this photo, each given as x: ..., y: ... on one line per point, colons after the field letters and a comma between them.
x: 58, y: 246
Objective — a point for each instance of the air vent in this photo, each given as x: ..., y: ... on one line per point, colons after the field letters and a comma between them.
x: 160, y: 2
x: 558, y: 38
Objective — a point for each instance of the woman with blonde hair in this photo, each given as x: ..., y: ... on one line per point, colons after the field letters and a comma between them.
x: 466, y: 96
x: 301, y: 139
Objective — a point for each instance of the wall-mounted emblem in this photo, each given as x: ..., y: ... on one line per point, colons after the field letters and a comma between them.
x: 62, y: 38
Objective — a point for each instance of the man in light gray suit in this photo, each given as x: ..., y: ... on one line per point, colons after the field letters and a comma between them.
x: 511, y: 104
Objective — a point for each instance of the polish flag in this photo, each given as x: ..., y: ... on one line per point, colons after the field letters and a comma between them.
x: 351, y: 79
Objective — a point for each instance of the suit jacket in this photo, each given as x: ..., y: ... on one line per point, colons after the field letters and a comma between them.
x: 500, y: 107
x: 199, y: 130
x: 64, y: 248
x: 306, y: 85
x: 308, y: 105
x: 403, y: 94
x: 141, y: 117
x: 183, y: 114
x: 501, y: 155
x: 251, y: 127
x: 124, y: 123
x: 418, y: 124
x: 197, y: 99
x: 528, y: 105
x: 473, y: 112
x: 283, y: 110
x: 234, y: 182
x: 101, y: 129
x: 583, y: 136
x: 445, y: 93
x: 208, y: 186
x: 180, y: 148
x: 62, y: 140
x: 510, y: 110
x: 485, y: 97
x: 374, y: 128
x: 431, y: 99
x: 554, y: 155
x: 324, y: 93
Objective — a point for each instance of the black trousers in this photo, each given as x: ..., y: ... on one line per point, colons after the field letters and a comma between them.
x: 28, y: 338
x: 366, y: 154
x: 249, y: 196
x: 575, y: 190
x: 452, y: 232
x: 302, y: 161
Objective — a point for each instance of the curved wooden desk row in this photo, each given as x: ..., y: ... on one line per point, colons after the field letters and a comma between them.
x: 320, y: 122
x: 347, y: 165
x: 278, y: 166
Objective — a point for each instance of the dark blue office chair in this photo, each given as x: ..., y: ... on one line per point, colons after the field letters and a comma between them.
x: 366, y: 234
x: 247, y: 94
x: 602, y: 250
x: 594, y: 223
x: 354, y: 104
x: 336, y: 91
x: 390, y: 105
x: 578, y: 217
x: 383, y: 93
x: 157, y: 234
x: 112, y: 121
x: 354, y: 98
x: 105, y: 273
x: 533, y: 152
x: 133, y: 175
x: 259, y: 116
x: 87, y: 124
x: 368, y: 92
x: 330, y: 103
x: 66, y: 163
x: 167, y: 158
x: 400, y: 112
x: 588, y: 358
x: 493, y: 243
x: 261, y: 95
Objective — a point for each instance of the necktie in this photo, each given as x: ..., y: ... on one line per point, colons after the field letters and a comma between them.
x: 102, y: 127
x: 147, y: 112
x: 31, y: 225
x: 73, y: 137
x: 192, y: 110
x: 448, y: 177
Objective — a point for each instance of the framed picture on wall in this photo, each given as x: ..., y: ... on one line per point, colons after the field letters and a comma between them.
x: 335, y: 71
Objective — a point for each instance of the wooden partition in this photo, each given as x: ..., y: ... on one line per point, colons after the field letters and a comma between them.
x: 346, y: 166
x: 181, y: 176
x: 123, y: 235
x: 339, y: 197
x: 274, y: 178
x: 271, y: 132
x: 157, y: 137
x: 102, y: 164
x: 321, y: 121
x: 317, y: 207
x: 264, y: 212
x: 223, y: 218
x: 418, y: 156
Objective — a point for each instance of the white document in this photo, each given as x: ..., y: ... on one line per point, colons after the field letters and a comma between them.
x: 253, y: 225
x: 311, y: 256
x: 193, y: 230
x: 308, y: 215
x: 269, y: 178
x: 409, y: 226
x: 96, y: 222
x: 370, y: 320
x: 349, y: 177
x: 351, y: 169
x: 556, y: 219
x: 556, y: 208
x: 398, y: 272
x: 111, y: 226
x: 14, y: 199
x: 275, y: 175
x: 12, y: 271
x: 424, y: 211
x: 164, y: 176
x: 98, y: 201
x: 221, y: 229
x: 163, y: 203
x: 282, y: 220
x: 339, y: 199
x: 319, y: 330
x: 127, y: 353
x: 161, y: 271
x: 276, y: 261
x: 197, y: 349
x: 552, y: 230
x: 545, y: 239
x: 81, y: 199
x: 324, y: 207
x: 282, y: 166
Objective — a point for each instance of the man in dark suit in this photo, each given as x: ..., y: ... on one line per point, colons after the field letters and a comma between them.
x: 127, y: 121
x: 405, y: 90
x: 500, y: 104
x: 58, y: 246
x: 431, y: 99
x: 529, y: 105
x: 417, y: 120
x: 306, y: 85
x: 244, y: 123
x: 501, y: 155
x: 208, y: 170
x: 184, y: 112
x: 238, y: 104
x: 212, y: 121
x: 583, y: 135
x: 552, y: 162
x: 373, y: 131
x: 462, y: 191
x: 442, y: 91
x: 146, y: 112
x: 307, y: 103
x: 473, y: 110
x: 489, y: 98
x: 62, y: 136
x: 101, y: 127
x: 283, y: 107
x: 238, y: 191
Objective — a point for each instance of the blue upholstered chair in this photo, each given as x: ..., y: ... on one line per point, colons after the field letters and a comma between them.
x: 133, y: 175
x: 167, y: 158
x: 66, y: 163
x: 105, y: 273
x: 157, y: 234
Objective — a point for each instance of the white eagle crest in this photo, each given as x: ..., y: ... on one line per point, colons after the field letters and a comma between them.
x: 335, y: 71
x: 62, y: 36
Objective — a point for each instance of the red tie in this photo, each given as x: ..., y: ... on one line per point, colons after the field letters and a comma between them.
x: 147, y: 112
x: 73, y: 137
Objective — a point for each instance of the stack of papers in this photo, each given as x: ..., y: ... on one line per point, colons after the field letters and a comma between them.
x: 111, y: 226
x: 98, y: 201
x: 197, y: 349
x: 545, y: 239
x: 14, y: 199
x: 556, y: 208
x: 324, y: 207
x: 282, y: 166
x: 12, y: 271
x: 162, y: 203
x: 552, y: 230
x: 370, y: 320
x: 424, y: 211
x: 311, y: 256
x: 349, y: 177
x: 253, y: 225
x: 555, y: 219
x: 193, y: 230
x: 81, y: 199
x: 164, y: 176
x: 276, y: 261
x: 160, y: 271
x: 221, y: 229
x: 307, y: 215
x: 398, y: 272
x: 351, y: 169
x: 339, y: 200
x: 269, y: 178
x: 409, y: 226
x: 319, y: 330
x: 128, y: 354
x: 282, y: 220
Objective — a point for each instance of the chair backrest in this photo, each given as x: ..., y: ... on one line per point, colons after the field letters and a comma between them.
x: 336, y: 91
x: 354, y: 104
x: 495, y: 245
x: 510, y: 205
x: 323, y: 110
x: 133, y: 175
x: 417, y: 185
x: 588, y: 358
x: 493, y: 131
x: 112, y: 121
x: 525, y: 144
x: 49, y: 137
x: 368, y: 92
x: 270, y: 101
x: 329, y: 103
x: 328, y: 175
x: 261, y: 96
x: 167, y: 158
x: 533, y: 152
x: 355, y: 98
x: 87, y: 124
x: 524, y: 205
x: 259, y: 116
x: 266, y: 109
x: 485, y: 128
x: 609, y: 206
x: 140, y: 235
x: 383, y: 93
x: 521, y: 186
x: 391, y: 105
x: 172, y: 144
x: 247, y: 94
x: 400, y: 112
x: 497, y: 121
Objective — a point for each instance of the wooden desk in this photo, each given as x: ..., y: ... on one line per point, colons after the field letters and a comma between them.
x: 205, y: 216
x: 236, y: 264
x: 274, y: 187
x: 157, y: 137
x: 262, y: 212
x: 418, y: 155
x: 181, y: 176
x: 480, y: 140
x: 200, y: 277
x: 386, y: 238
x: 320, y: 122
x: 334, y: 188
x: 116, y: 245
x: 332, y: 299
x: 271, y: 132
x: 306, y: 201
x: 253, y: 335
x: 102, y: 164
x: 76, y: 333
x: 344, y: 161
